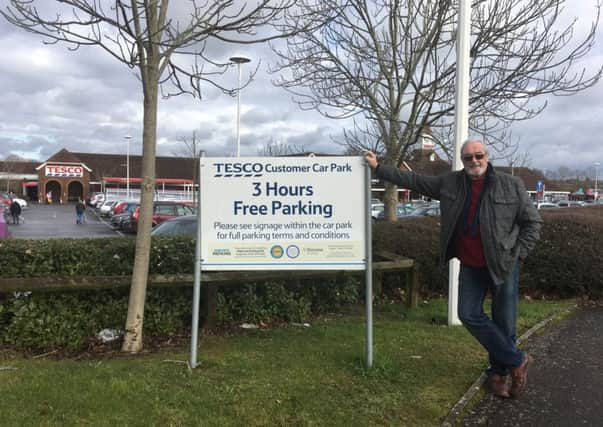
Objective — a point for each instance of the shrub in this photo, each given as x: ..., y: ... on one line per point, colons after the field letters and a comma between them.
x: 92, y: 257
x: 69, y: 320
x: 567, y: 261
x: 418, y: 239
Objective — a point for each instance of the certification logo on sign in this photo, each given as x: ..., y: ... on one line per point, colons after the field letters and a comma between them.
x: 283, y: 213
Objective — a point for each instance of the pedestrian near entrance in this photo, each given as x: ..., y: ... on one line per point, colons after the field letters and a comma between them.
x: 49, y: 197
x: 15, y: 211
x: 80, y: 212
x: 489, y: 223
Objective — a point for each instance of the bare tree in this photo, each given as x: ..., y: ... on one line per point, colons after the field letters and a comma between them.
x: 515, y: 158
x: 391, y: 64
x: 150, y: 38
x: 281, y: 148
x: 192, y: 149
x: 9, y: 166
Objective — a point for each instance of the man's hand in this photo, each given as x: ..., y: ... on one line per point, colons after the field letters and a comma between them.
x: 371, y: 159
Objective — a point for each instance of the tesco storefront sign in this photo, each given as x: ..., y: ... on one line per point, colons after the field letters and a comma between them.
x: 65, y: 171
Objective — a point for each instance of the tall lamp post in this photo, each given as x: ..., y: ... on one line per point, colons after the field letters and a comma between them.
x: 128, y: 138
x: 239, y: 60
x: 596, y: 165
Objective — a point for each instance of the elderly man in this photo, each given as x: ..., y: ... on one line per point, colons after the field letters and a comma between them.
x: 489, y: 223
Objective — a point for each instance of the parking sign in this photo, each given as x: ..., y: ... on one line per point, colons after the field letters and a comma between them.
x: 283, y: 213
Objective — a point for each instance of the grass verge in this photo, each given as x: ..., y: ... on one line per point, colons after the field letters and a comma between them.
x: 290, y: 376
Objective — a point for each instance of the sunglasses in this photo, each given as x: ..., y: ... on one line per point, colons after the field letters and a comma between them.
x: 469, y: 157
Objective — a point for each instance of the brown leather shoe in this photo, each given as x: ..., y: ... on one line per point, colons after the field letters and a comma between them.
x: 519, y: 377
x: 498, y: 385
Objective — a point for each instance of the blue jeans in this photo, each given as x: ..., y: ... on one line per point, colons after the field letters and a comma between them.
x: 496, y: 335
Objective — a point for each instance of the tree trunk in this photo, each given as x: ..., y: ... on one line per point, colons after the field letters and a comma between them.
x: 390, y: 199
x: 138, y: 289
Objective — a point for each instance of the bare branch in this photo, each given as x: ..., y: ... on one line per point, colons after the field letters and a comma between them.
x: 146, y: 35
x: 392, y: 64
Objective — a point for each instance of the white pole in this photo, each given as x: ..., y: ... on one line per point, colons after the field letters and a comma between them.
x: 461, y: 125
x: 128, y: 138
x: 239, y: 60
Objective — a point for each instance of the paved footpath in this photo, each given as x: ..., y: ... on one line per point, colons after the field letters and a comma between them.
x: 565, y: 383
x: 56, y: 221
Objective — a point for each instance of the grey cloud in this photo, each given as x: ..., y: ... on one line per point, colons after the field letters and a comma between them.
x: 87, y: 101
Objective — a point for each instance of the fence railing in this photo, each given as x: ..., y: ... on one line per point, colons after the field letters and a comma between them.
x: 160, y: 195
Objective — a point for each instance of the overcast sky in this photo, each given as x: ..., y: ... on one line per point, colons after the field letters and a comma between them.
x: 86, y: 101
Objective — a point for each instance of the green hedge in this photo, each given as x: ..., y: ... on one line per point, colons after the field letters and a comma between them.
x: 92, y: 257
x: 567, y: 261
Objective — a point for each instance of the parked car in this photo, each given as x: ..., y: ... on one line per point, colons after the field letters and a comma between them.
x: 105, y: 209
x: 426, y: 210
x: 402, y: 209
x: 376, y: 209
x: 177, y: 226
x: 7, y: 198
x: 122, y: 206
x: 22, y: 202
x: 546, y: 205
x: 570, y: 204
x: 162, y: 211
x: 119, y: 219
x: 95, y: 198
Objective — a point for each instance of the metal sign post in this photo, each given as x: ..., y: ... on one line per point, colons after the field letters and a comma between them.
x: 197, y: 279
x: 368, y: 276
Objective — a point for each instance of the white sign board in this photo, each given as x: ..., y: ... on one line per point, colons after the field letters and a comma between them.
x: 285, y: 213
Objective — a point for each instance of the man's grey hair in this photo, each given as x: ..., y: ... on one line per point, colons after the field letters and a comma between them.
x: 470, y: 140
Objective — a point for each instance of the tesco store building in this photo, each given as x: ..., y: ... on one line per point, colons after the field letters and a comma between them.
x: 62, y: 182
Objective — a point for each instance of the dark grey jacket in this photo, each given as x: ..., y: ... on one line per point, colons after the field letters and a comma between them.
x: 509, y: 222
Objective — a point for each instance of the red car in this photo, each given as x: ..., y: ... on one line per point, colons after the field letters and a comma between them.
x: 163, y: 211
